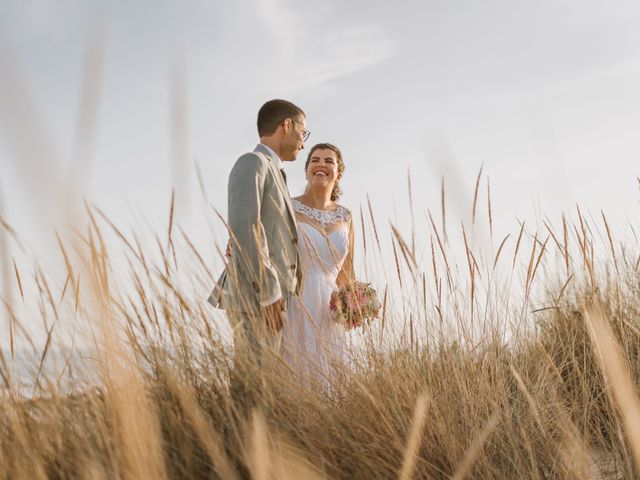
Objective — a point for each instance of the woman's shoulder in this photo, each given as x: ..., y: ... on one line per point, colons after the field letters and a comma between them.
x: 343, y: 211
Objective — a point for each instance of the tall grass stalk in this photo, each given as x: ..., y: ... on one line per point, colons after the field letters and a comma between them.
x: 502, y: 368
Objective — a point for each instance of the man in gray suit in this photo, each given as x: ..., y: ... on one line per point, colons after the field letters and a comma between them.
x: 264, y: 266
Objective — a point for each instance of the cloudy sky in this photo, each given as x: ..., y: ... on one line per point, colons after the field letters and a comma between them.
x: 117, y: 102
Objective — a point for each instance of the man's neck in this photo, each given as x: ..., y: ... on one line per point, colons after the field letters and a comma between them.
x: 267, y: 142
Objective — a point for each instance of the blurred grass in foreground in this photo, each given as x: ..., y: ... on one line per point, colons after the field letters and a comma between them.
x: 473, y: 382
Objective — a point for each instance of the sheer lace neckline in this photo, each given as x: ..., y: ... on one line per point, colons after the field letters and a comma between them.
x: 323, y: 217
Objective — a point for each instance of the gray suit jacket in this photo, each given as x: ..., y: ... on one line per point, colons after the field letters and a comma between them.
x: 264, y: 261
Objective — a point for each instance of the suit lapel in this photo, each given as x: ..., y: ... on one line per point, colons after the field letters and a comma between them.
x: 279, y: 180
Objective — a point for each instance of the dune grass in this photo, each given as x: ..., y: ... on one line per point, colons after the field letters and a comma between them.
x: 522, y: 364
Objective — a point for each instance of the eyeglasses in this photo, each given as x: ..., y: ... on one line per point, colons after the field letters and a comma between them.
x: 305, y: 132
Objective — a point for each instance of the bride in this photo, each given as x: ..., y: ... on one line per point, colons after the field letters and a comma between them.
x: 312, y: 343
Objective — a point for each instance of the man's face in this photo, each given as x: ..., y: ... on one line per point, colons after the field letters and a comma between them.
x: 294, y: 141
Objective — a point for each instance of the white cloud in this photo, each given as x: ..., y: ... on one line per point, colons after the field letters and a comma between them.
x: 346, y: 52
x: 300, y: 49
x: 282, y: 25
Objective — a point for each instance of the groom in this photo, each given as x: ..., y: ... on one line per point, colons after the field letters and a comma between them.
x: 264, y: 266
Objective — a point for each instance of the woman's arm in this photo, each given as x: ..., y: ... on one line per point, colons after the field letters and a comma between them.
x: 347, y: 275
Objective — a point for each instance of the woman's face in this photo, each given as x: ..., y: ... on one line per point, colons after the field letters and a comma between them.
x: 322, y: 171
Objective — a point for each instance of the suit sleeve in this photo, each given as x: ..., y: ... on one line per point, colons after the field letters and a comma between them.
x: 246, y: 191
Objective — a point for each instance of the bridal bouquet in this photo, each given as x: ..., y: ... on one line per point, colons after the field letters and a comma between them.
x: 353, y: 305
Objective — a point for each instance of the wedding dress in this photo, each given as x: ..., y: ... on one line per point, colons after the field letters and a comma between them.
x: 313, y: 344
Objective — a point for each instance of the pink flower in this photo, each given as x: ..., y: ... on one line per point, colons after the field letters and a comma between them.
x: 353, y: 304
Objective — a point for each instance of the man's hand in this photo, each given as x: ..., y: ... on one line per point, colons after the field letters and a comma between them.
x: 273, y: 315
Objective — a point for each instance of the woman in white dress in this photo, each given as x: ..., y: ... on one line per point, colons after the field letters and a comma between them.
x: 312, y: 343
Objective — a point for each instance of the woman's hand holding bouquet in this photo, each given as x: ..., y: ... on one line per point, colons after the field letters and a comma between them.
x: 354, y: 305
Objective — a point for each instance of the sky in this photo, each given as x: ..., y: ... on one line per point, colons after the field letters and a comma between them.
x: 119, y: 103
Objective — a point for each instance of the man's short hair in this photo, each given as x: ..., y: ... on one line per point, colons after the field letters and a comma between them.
x: 273, y: 113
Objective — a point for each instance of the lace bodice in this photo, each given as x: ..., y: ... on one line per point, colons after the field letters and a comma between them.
x: 322, y: 217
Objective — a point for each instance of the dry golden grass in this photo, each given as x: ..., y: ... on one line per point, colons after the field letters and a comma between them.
x: 475, y: 378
